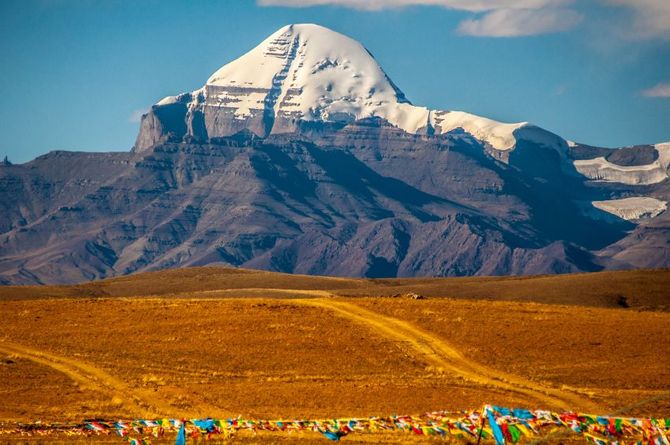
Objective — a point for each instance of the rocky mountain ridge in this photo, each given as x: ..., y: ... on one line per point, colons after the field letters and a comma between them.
x: 303, y: 156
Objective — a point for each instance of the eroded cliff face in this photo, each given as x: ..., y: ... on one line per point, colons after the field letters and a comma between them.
x: 363, y: 199
x: 366, y: 199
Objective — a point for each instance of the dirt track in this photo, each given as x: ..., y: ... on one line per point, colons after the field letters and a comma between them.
x: 436, y: 350
x: 141, y: 402
x: 445, y: 356
x: 441, y: 353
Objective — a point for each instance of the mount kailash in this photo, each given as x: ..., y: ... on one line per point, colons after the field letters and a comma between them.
x: 303, y: 156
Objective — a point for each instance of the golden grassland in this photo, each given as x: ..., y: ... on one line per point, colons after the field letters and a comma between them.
x: 222, y: 343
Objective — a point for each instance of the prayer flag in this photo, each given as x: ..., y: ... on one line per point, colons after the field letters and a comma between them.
x: 181, y: 437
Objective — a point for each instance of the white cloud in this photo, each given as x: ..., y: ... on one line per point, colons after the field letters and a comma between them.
x: 501, y: 18
x: 505, y: 18
x: 651, y: 18
x: 464, y: 5
x: 136, y: 116
x: 660, y: 90
x: 522, y: 22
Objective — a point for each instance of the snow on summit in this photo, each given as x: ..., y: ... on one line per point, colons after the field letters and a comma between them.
x: 315, y: 72
x: 306, y: 72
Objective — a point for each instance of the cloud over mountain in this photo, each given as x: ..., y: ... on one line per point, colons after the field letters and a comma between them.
x: 651, y: 18
x: 509, y: 18
x: 465, y: 5
x: 520, y: 22
x: 660, y: 90
x: 499, y: 18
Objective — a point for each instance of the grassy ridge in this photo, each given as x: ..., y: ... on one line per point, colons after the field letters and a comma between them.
x: 641, y: 289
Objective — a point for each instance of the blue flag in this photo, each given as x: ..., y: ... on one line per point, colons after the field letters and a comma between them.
x: 497, y: 432
x: 332, y: 436
x: 181, y: 437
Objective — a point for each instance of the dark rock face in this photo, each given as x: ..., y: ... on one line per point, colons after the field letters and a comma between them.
x: 626, y: 156
x: 632, y: 156
x: 365, y: 199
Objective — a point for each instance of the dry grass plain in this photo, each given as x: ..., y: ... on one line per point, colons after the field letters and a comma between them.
x: 219, y: 342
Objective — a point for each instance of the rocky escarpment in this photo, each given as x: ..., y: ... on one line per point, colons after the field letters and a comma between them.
x: 351, y: 208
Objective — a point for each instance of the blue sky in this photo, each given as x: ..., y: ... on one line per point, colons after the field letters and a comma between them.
x: 75, y: 74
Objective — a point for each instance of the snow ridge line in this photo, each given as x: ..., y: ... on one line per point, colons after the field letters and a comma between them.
x: 271, y: 100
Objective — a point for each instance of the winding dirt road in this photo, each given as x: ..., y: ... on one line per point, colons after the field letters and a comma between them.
x: 442, y: 354
x: 435, y: 350
x: 138, y: 401
x: 439, y: 352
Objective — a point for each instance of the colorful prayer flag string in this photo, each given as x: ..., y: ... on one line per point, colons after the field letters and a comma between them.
x: 487, y: 424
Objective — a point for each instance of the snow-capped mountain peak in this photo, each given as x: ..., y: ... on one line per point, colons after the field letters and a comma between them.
x: 308, y: 73
x: 328, y: 67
